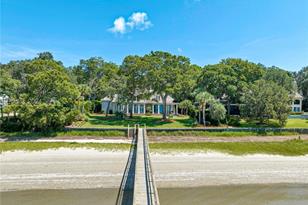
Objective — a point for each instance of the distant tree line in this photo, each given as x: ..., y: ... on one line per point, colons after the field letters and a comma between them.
x: 44, y: 94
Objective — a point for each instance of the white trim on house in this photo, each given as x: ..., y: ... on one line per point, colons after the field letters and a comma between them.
x: 297, y: 103
x: 152, y: 106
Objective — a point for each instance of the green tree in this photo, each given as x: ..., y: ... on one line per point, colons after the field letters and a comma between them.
x: 302, y: 81
x: 186, y: 106
x: 222, y: 81
x: 169, y: 75
x: 45, y: 56
x: 203, y: 98
x: 111, y: 84
x: 89, y: 72
x: 280, y: 77
x: 134, y: 74
x: 264, y: 100
x: 40, y: 93
x: 217, y: 111
x: 51, y: 85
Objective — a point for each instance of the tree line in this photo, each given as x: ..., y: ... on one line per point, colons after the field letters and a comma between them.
x: 44, y: 94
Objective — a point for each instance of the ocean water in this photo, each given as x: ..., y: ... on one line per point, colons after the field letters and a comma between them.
x: 269, y: 194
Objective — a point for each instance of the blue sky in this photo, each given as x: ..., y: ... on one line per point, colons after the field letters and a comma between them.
x: 272, y: 32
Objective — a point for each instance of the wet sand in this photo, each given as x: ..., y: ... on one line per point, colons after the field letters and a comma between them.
x: 270, y: 194
x: 88, y: 169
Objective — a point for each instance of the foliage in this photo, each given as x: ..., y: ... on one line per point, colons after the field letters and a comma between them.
x: 169, y: 75
x: 265, y: 100
x: 280, y: 77
x: 41, y: 94
x: 111, y: 84
x: 228, y: 79
x: 302, y: 81
x: 217, y: 111
x: 186, y: 106
x: 134, y: 71
x: 203, y: 98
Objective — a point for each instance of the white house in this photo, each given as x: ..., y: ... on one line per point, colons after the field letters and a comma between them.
x: 297, y: 103
x: 152, y: 106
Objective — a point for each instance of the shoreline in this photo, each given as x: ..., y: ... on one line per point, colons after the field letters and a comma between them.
x: 89, y: 168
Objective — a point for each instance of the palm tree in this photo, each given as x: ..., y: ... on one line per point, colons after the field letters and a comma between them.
x: 203, y: 98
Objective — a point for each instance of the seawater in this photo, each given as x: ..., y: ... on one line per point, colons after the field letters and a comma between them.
x: 269, y: 194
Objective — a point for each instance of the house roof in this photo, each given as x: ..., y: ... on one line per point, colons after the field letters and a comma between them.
x: 298, y: 96
x: 152, y: 100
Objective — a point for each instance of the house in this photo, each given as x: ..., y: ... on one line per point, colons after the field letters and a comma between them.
x: 297, y: 103
x: 154, y: 105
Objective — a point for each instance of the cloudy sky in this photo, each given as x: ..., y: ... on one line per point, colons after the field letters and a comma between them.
x: 272, y: 32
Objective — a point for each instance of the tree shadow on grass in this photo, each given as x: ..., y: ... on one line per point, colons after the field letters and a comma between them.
x: 150, y: 121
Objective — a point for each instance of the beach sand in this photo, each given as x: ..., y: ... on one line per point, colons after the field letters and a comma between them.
x: 89, y: 168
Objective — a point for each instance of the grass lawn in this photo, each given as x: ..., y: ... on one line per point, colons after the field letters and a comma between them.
x: 291, y: 123
x: 52, y: 134
x: 38, y: 146
x: 217, y: 134
x: 150, y: 121
x: 97, y: 121
x: 287, y: 148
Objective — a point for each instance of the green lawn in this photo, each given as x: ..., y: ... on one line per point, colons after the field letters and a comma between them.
x: 287, y: 148
x: 38, y: 146
x: 291, y: 123
x: 53, y: 134
x: 96, y: 121
x: 218, y: 134
x: 150, y: 121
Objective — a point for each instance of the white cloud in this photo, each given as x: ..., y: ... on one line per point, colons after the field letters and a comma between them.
x: 138, y: 20
x: 119, y: 25
x: 180, y: 50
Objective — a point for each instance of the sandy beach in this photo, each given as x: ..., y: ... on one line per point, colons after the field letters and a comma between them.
x: 89, y: 168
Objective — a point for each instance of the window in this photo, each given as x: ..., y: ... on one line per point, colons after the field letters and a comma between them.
x: 296, y: 102
x: 160, y: 108
x: 135, y: 108
x: 141, y: 108
x: 155, y: 108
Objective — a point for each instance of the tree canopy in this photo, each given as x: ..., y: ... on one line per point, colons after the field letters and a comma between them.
x: 44, y: 94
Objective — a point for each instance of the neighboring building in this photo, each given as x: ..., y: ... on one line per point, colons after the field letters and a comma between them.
x: 152, y: 106
x: 297, y: 103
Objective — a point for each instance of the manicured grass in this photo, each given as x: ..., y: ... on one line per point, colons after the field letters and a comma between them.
x: 287, y: 148
x: 33, y: 135
x: 150, y: 121
x: 38, y: 146
x: 291, y: 123
x: 101, y: 121
x: 217, y: 134
x: 297, y: 123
